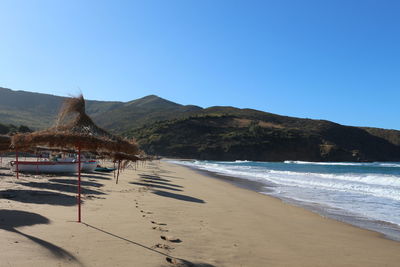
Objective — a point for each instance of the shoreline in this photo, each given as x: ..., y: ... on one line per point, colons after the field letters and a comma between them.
x: 388, y: 230
x: 163, y: 214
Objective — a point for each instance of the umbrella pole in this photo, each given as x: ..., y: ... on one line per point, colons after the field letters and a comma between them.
x: 16, y: 163
x: 79, y: 184
x: 37, y: 165
x: 119, y: 164
x: 114, y: 170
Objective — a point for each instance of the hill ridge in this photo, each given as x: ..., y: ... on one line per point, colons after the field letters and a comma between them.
x: 218, y: 132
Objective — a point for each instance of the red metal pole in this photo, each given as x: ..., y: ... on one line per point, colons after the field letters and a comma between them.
x: 79, y: 184
x: 16, y: 163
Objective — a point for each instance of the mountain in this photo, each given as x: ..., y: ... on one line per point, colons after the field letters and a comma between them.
x: 266, y: 138
x: 39, y: 111
x: 220, y: 133
x: 7, y: 129
x: 142, y: 111
x: 32, y: 109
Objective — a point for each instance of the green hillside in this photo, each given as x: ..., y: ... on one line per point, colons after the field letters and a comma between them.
x: 7, y: 129
x: 32, y: 109
x: 232, y: 137
x: 39, y: 110
x: 137, y: 113
x: 222, y: 133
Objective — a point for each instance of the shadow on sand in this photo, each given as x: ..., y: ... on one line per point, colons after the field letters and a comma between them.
x: 178, y: 196
x: 75, y: 182
x: 153, y: 177
x: 176, y: 261
x: 124, y: 239
x: 185, y: 263
x: 155, y: 183
x: 99, y: 176
x: 156, y: 186
x: 11, y: 219
x: 61, y: 187
x: 38, y: 197
x: 160, y: 183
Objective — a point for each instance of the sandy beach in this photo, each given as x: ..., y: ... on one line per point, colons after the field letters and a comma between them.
x: 167, y: 215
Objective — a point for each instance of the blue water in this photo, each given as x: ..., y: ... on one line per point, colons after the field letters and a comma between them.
x: 364, y: 194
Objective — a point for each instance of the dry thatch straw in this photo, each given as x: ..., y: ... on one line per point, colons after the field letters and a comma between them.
x: 75, y: 129
x: 5, y: 143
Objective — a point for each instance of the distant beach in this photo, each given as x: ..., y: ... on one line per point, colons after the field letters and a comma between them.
x: 163, y: 214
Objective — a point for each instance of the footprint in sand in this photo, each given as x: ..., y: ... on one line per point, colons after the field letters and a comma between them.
x: 163, y: 246
x: 146, y: 212
x: 176, y: 262
x: 170, y: 238
x: 153, y: 222
x: 159, y: 229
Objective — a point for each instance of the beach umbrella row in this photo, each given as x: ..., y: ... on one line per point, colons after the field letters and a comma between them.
x: 75, y: 130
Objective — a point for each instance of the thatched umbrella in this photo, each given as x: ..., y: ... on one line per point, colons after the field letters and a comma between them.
x: 5, y: 143
x: 74, y: 129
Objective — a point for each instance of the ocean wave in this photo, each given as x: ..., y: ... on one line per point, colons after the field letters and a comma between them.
x: 368, y: 179
x: 323, y: 163
x: 372, y: 164
x: 350, y: 190
x: 379, y: 185
x: 393, y: 165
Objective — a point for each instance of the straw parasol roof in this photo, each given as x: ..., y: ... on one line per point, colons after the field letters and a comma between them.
x: 74, y: 129
x: 5, y: 142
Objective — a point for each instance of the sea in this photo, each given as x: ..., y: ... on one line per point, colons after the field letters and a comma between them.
x: 366, y: 195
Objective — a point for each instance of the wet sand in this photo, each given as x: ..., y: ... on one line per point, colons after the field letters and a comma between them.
x: 168, y: 215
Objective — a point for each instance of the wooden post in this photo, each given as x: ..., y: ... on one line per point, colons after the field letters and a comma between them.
x: 114, y: 169
x: 119, y: 164
x: 37, y: 165
x: 79, y: 184
x: 16, y: 163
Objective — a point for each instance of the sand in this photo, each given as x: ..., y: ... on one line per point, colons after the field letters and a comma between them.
x: 163, y: 213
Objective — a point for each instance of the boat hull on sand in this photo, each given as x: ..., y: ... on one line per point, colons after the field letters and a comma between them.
x: 44, y: 167
x: 88, y: 165
x: 104, y: 169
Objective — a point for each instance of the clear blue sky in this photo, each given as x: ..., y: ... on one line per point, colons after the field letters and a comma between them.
x: 325, y: 59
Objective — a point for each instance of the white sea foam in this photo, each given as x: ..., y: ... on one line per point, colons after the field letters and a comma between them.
x: 324, y: 163
x: 393, y: 165
x: 365, y: 189
x: 372, y: 164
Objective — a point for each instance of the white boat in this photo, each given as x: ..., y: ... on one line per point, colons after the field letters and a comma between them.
x: 44, y: 166
x: 88, y: 165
